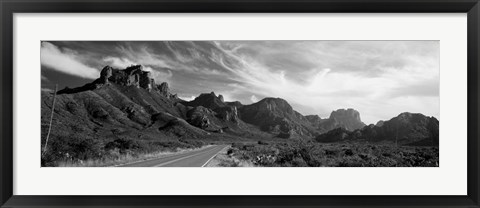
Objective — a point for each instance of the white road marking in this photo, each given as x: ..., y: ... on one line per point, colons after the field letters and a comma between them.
x: 156, y: 158
x: 172, y: 161
x: 213, y: 156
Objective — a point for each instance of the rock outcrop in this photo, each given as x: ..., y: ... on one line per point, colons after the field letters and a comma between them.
x: 346, y: 115
x: 222, y: 110
x: 346, y: 118
x: 131, y: 76
x: 276, y: 116
x: 227, y: 113
x: 204, y: 118
x: 220, y: 97
x: 207, y: 100
x: 164, y: 89
x: 349, y: 119
x: 380, y: 123
x: 198, y: 117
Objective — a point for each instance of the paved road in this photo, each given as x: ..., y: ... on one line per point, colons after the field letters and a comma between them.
x: 196, y: 158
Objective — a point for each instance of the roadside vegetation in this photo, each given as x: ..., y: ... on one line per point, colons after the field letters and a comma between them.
x: 75, y: 151
x: 312, y: 154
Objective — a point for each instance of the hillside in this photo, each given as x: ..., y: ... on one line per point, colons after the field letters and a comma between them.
x: 125, y: 107
x: 275, y: 115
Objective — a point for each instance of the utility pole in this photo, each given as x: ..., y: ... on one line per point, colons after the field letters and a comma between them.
x: 51, y: 119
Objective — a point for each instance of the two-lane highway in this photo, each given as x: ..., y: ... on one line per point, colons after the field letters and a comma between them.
x: 195, y: 158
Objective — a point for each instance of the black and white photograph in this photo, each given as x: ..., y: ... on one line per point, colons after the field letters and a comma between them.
x: 237, y: 103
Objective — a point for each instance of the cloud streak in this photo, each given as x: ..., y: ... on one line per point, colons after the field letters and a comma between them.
x: 65, y: 61
x: 393, y: 83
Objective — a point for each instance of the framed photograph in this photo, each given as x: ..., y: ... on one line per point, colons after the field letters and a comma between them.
x: 268, y: 103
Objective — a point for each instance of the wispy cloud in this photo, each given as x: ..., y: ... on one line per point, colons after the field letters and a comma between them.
x: 384, y: 85
x: 65, y: 61
x: 118, y: 62
x: 143, y: 54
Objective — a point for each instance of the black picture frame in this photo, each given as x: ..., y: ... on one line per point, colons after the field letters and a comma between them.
x: 9, y: 7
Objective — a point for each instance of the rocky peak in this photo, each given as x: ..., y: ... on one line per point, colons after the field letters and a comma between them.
x: 348, y: 119
x: 164, y: 89
x: 221, y: 98
x: 276, y: 116
x: 131, y: 76
x: 275, y: 105
x: 106, y: 73
x: 208, y: 100
x: 380, y: 123
x: 410, y: 118
x: 342, y: 114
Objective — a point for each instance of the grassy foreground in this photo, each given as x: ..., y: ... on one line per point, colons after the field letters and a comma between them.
x: 75, y: 151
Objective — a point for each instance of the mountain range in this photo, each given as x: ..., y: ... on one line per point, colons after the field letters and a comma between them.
x: 128, y: 102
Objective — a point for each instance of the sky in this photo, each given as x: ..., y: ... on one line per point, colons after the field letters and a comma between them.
x: 380, y: 79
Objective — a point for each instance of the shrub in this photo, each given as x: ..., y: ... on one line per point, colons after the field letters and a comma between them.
x: 348, y: 152
x: 71, y: 147
x: 305, y: 153
x: 122, y: 145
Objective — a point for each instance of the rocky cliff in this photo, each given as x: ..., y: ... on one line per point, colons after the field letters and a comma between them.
x: 348, y: 119
x: 131, y: 76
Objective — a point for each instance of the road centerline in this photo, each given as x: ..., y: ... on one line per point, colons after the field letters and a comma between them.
x: 132, y: 164
x: 186, y: 157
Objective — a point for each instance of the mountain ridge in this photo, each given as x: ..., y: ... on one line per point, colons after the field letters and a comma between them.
x: 405, y: 129
x: 131, y: 99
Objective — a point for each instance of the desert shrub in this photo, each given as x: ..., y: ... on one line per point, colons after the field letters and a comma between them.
x: 386, y: 154
x: 330, y: 152
x: 123, y: 145
x: 305, y: 153
x: 192, y: 143
x: 72, y: 148
x: 237, y: 145
x: 173, y: 145
x: 167, y: 145
x: 348, y: 152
